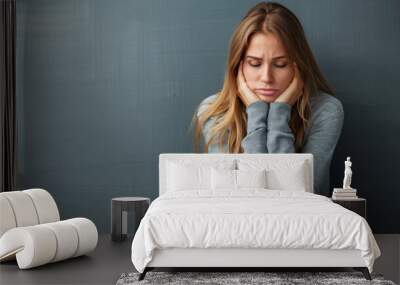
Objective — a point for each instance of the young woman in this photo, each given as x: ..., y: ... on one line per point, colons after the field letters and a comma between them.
x: 274, y: 98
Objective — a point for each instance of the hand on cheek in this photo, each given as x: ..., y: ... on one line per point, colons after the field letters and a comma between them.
x: 295, y: 89
x: 246, y: 95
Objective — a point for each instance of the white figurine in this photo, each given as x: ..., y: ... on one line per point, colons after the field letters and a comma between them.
x: 347, y: 174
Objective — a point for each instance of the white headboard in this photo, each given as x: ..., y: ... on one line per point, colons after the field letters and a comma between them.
x: 268, y: 157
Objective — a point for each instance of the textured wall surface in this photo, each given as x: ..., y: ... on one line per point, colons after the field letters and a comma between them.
x: 105, y: 86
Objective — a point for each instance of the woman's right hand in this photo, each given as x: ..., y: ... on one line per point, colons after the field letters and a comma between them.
x: 246, y: 95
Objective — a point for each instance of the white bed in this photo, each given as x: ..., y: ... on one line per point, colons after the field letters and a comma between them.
x: 250, y: 227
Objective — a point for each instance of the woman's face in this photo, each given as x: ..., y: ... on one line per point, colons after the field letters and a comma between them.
x: 267, y: 66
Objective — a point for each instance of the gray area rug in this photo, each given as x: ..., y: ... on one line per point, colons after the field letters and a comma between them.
x: 229, y: 278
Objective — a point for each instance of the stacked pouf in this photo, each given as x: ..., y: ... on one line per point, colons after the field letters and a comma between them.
x: 31, y: 230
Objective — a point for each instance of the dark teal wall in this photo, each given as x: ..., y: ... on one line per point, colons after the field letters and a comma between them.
x: 105, y: 86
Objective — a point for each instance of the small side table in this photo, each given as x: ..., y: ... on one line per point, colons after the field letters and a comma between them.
x: 357, y: 205
x: 119, y: 214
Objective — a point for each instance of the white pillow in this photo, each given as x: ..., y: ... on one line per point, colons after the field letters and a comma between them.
x: 223, y: 179
x: 237, y: 179
x: 290, y: 179
x: 251, y: 178
x: 187, y: 175
x: 282, y: 176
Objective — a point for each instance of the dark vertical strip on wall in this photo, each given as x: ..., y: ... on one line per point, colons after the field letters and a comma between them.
x: 7, y: 91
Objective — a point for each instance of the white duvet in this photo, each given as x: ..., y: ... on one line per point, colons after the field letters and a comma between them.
x: 251, y: 218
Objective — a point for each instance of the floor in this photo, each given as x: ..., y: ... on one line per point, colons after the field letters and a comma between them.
x: 111, y: 259
x: 102, y: 266
x: 389, y: 262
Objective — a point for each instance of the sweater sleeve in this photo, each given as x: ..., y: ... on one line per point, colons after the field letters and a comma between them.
x: 256, y: 139
x: 280, y: 137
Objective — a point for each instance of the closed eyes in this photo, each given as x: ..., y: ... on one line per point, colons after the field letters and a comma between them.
x: 253, y: 64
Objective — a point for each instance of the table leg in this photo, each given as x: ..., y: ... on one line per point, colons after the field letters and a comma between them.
x: 116, y: 221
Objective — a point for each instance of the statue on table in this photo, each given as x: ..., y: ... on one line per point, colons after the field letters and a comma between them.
x: 347, y: 174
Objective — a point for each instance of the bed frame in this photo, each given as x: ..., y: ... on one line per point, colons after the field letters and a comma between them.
x: 241, y: 259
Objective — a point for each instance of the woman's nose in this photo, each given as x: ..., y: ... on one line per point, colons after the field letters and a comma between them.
x: 266, y: 75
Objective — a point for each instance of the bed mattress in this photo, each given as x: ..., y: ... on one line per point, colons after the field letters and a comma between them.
x: 250, y: 218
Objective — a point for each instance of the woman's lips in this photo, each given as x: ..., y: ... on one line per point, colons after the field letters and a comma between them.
x: 266, y: 92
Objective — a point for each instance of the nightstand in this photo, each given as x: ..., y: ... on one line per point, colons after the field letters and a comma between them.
x: 119, y: 215
x: 357, y: 205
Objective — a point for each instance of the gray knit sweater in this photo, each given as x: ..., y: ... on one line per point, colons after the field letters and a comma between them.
x: 268, y: 131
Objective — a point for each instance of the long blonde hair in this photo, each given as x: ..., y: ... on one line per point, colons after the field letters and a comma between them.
x: 229, y: 109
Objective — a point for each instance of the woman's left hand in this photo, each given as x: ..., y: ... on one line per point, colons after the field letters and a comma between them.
x: 294, y: 90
